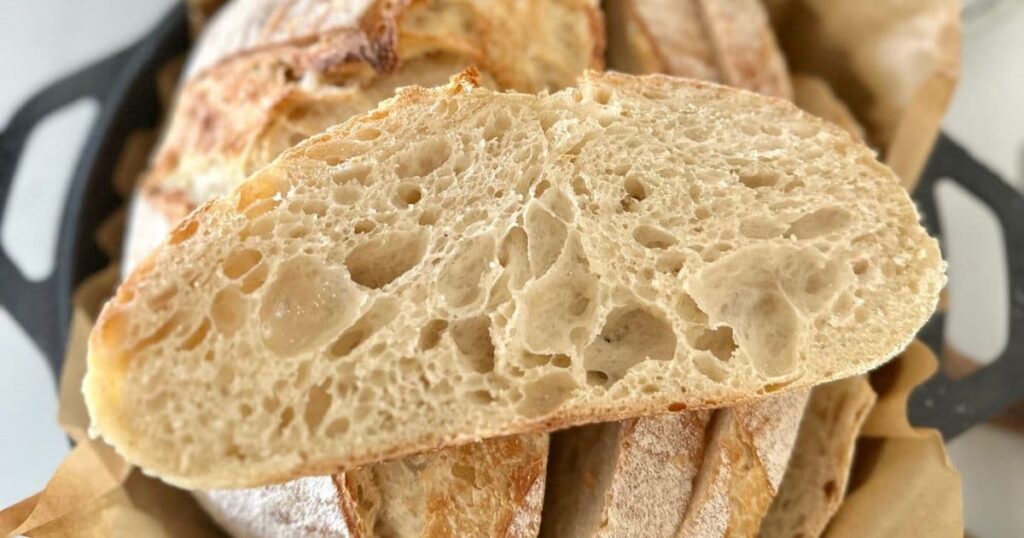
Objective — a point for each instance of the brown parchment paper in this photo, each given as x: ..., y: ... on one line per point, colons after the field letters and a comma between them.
x: 902, y: 483
x: 893, y: 63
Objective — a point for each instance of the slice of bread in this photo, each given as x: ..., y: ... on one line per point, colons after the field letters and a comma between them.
x: 726, y: 41
x: 815, y: 481
x: 744, y: 462
x: 491, y: 488
x: 514, y: 263
x: 618, y: 478
x: 268, y: 73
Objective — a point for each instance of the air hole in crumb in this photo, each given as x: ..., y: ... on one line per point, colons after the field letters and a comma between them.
x: 702, y: 212
x: 318, y: 401
x: 380, y: 314
x: 697, y: 134
x: 287, y: 415
x: 229, y: 310
x: 197, y: 336
x: 718, y: 341
x: 473, y: 339
x: 546, y: 239
x: 337, y: 427
x: 347, y: 194
x: 602, y: 95
x: 630, y: 336
x: 671, y: 263
x: 480, y: 397
x: 304, y: 304
x: 430, y: 334
x: 381, y: 260
x: 408, y: 194
x: 629, y: 204
x: 254, y: 279
x: 364, y: 226
x: 597, y: 378
x: 561, y: 361
x: 579, y: 186
x: 241, y: 262
x: 860, y: 267
x: 424, y: 158
x: 793, y: 185
x: 635, y: 188
x: 541, y: 186
x: 821, y: 222
x: 314, y: 207
x: 759, y: 179
x: 183, y: 231
x: 653, y: 237
x: 460, y: 280
x: 367, y: 134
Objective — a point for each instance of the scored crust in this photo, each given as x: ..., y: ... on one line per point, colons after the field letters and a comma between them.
x: 269, y: 73
x: 491, y: 488
x: 639, y: 253
x: 815, y: 481
x: 611, y: 479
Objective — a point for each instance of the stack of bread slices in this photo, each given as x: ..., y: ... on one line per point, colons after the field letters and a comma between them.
x: 419, y: 268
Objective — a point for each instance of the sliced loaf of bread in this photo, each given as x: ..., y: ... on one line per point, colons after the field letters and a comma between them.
x: 725, y: 41
x: 491, y: 488
x: 470, y: 264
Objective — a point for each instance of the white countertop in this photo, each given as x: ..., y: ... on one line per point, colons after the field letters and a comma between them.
x: 44, y: 39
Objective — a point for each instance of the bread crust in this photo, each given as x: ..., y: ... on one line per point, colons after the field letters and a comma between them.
x: 503, y: 497
x: 747, y: 454
x: 725, y: 41
x: 815, y: 481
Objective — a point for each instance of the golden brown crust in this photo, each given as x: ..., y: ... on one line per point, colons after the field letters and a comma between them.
x: 749, y: 446
x: 489, y: 488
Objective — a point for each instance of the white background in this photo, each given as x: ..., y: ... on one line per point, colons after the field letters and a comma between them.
x: 42, y: 39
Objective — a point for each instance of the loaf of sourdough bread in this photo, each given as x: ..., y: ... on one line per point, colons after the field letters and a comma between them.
x: 268, y: 73
x: 491, y: 488
x: 470, y: 264
x: 725, y: 41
